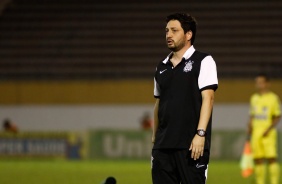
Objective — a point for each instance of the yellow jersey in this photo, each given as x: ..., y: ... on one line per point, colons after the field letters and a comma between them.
x: 263, y: 109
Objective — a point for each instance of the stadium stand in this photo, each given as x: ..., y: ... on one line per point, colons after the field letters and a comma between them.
x: 85, y: 39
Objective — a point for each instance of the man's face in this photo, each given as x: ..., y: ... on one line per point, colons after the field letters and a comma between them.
x: 175, y: 37
x: 261, y: 83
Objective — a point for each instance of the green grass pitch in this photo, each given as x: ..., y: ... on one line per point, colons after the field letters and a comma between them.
x: 95, y: 171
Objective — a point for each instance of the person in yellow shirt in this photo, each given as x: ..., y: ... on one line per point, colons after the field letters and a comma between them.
x: 264, y: 116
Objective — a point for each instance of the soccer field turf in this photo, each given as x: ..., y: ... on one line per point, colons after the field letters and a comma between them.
x: 94, y: 172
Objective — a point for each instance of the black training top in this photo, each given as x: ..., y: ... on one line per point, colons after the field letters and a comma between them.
x: 179, y: 90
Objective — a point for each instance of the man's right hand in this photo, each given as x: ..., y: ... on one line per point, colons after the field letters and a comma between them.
x: 153, y: 139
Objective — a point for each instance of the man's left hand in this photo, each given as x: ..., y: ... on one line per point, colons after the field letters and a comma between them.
x: 265, y: 134
x: 197, y: 147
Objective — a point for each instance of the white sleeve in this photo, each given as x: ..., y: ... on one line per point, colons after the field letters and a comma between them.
x: 157, y: 90
x: 208, y: 74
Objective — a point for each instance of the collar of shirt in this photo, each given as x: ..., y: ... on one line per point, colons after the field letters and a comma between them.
x: 186, y: 55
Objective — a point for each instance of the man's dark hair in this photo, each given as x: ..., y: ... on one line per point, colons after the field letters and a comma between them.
x: 264, y: 75
x: 188, y: 23
x: 110, y: 180
x: 6, y: 123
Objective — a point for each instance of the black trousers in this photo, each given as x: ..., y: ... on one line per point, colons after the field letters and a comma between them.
x: 175, y: 166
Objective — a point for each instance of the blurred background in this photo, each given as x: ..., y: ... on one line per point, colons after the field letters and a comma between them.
x: 76, y: 76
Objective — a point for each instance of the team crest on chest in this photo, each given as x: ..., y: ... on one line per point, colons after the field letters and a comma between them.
x: 188, y: 66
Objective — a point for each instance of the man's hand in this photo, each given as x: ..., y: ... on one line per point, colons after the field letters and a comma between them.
x: 197, y: 147
x: 275, y: 121
x: 265, y: 134
x: 153, y: 139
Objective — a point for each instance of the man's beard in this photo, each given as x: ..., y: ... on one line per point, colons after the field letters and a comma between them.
x: 173, y: 49
x: 176, y: 48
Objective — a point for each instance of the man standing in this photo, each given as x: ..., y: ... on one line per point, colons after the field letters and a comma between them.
x: 264, y: 115
x: 184, y: 90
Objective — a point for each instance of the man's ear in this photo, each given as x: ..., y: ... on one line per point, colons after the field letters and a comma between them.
x: 189, y: 35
